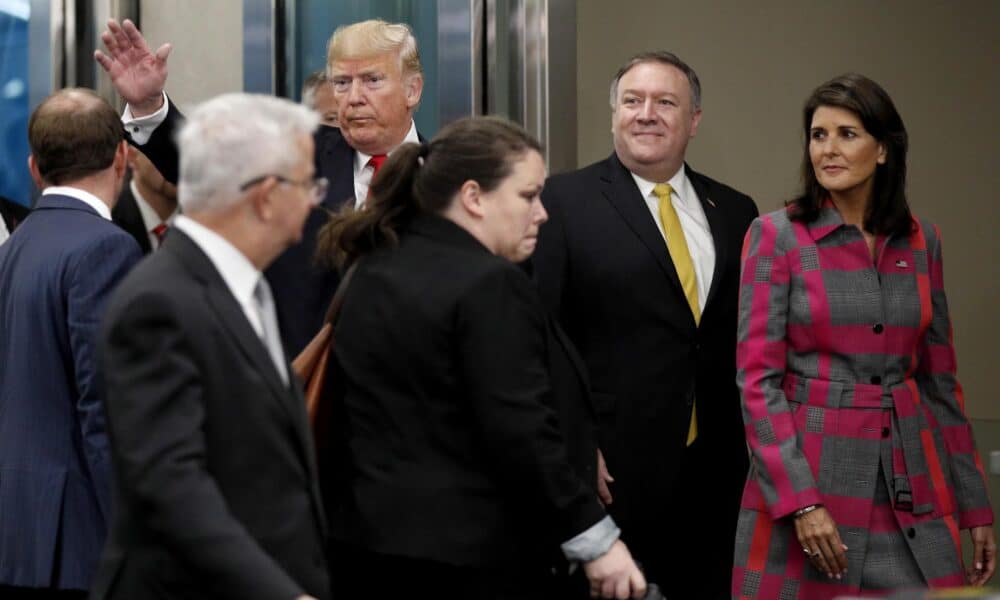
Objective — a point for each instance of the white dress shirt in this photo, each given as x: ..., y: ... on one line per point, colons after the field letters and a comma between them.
x: 697, y: 233
x: 86, y: 197
x: 363, y: 172
x: 150, y: 219
x: 141, y: 128
x: 237, y: 271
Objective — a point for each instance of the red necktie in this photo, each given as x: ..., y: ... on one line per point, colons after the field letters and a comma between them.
x: 159, y: 231
x: 376, y: 163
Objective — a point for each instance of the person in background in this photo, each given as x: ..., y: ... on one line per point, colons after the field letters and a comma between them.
x: 377, y: 78
x: 11, y: 215
x: 57, y: 272
x: 216, y: 494
x: 450, y: 468
x: 864, y: 464
x: 640, y: 263
x: 317, y: 94
x: 147, y: 205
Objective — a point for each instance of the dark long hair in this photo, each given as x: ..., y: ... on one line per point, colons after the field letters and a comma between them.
x: 888, y: 211
x: 423, y: 178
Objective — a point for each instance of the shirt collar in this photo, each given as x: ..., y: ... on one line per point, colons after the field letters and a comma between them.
x: 150, y: 218
x: 361, y: 159
x: 236, y: 269
x: 678, y: 183
x: 86, y: 197
x: 827, y: 221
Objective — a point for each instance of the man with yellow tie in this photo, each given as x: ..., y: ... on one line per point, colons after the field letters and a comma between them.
x: 640, y: 263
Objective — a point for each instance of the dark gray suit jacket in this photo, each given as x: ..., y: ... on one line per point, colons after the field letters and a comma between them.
x: 216, y: 493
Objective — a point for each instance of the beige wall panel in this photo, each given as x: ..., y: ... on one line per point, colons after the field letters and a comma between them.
x: 207, y: 36
x: 759, y: 61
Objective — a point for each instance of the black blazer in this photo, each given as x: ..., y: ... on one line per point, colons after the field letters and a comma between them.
x: 302, y: 289
x: 12, y: 213
x: 216, y: 493
x: 602, y: 267
x: 126, y: 215
x: 451, y: 449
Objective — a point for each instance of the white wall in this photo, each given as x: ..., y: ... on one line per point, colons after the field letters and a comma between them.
x: 207, y: 36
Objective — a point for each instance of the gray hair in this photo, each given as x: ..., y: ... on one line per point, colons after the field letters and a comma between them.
x: 662, y: 57
x: 234, y: 138
x: 309, y: 86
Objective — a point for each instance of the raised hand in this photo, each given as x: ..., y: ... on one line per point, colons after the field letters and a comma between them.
x: 138, y: 74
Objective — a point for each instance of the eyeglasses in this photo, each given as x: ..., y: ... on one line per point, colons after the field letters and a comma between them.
x: 316, y: 186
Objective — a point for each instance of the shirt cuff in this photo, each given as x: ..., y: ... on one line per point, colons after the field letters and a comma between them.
x: 592, y: 543
x: 141, y: 128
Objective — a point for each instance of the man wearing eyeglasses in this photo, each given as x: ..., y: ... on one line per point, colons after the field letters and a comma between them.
x: 375, y: 71
x: 216, y: 492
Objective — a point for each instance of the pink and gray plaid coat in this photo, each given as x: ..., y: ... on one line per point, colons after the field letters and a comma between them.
x: 845, y: 365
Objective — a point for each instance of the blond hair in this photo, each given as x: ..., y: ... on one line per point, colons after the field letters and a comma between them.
x: 371, y: 37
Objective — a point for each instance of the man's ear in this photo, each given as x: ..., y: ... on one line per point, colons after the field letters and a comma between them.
x: 414, y: 87
x: 695, y: 120
x: 122, y: 159
x: 263, y: 203
x: 471, y: 197
x: 36, y: 176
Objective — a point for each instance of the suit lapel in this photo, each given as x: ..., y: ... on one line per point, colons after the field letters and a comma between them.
x: 230, y: 314
x: 717, y: 223
x: 335, y: 161
x: 127, y: 215
x: 622, y: 193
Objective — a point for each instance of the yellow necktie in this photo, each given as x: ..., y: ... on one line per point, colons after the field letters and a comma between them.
x: 679, y: 254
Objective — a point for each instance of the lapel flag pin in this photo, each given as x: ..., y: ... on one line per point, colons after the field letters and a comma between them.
x: 901, y: 264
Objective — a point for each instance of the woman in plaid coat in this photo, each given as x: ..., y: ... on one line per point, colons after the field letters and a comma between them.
x: 864, y: 468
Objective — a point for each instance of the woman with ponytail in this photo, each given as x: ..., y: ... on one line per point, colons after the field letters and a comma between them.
x: 463, y: 451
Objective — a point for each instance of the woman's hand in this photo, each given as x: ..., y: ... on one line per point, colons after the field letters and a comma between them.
x: 821, y: 541
x: 984, y: 555
x: 615, y: 575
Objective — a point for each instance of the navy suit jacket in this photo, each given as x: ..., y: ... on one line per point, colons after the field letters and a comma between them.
x: 56, y: 274
x: 302, y: 289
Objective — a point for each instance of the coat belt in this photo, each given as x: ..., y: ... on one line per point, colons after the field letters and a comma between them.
x: 911, y: 488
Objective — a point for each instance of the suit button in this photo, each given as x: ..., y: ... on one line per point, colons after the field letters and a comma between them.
x: 911, y: 533
x: 885, y: 432
x: 878, y: 328
x: 876, y: 380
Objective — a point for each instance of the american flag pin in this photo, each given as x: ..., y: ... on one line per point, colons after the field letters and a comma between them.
x: 901, y: 264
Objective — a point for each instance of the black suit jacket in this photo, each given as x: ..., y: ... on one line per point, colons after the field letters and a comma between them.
x: 126, y: 215
x: 12, y: 213
x: 302, y: 289
x: 603, y: 268
x: 216, y: 493
x: 443, y: 359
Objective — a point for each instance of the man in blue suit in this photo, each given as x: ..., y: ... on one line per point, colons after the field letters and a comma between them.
x: 56, y: 274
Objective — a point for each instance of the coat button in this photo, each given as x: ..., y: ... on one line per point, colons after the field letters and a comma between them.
x: 885, y: 432
x: 876, y: 380
x: 878, y: 328
x: 911, y: 533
